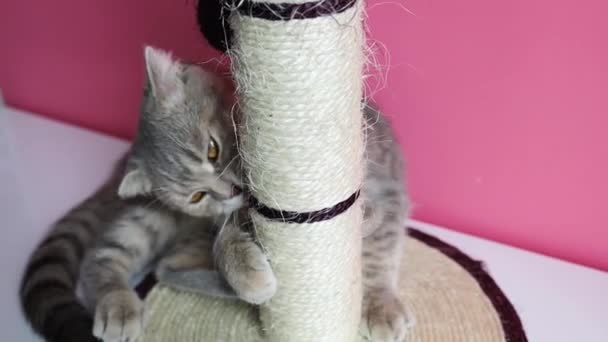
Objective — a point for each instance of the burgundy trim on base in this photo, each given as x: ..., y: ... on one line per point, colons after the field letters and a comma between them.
x: 511, y: 323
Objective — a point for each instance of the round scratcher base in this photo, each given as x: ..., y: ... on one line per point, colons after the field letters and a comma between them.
x: 448, y: 295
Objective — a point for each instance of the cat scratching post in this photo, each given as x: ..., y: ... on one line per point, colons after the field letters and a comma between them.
x: 298, y: 67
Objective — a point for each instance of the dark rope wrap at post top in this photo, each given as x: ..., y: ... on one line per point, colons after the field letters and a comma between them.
x: 212, y: 15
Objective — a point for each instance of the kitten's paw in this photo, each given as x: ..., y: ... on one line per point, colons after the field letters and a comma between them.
x: 119, y: 317
x: 251, y: 277
x: 384, y: 319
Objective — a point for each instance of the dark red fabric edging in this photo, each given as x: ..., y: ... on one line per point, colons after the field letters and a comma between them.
x: 511, y: 323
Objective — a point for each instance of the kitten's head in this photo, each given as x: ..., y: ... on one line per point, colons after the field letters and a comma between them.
x: 185, y: 152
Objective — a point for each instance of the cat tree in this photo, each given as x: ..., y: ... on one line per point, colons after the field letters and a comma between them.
x: 298, y: 68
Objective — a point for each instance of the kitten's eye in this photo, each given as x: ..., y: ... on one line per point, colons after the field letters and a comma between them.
x: 212, y: 151
x: 197, y: 197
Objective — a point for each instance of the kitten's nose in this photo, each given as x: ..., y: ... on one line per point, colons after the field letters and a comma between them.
x: 236, y: 191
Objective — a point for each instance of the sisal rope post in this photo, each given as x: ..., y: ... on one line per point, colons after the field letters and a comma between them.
x: 298, y: 68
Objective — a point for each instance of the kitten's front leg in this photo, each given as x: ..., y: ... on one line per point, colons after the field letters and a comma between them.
x: 189, y: 265
x: 129, y: 245
x: 243, y: 264
x: 105, y: 280
x: 383, y: 317
x: 190, y: 251
x: 119, y: 316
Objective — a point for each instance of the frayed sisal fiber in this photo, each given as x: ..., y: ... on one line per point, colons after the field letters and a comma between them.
x: 299, y: 85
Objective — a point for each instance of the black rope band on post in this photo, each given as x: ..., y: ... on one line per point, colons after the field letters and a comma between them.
x: 307, y: 217
x: 287, y: 11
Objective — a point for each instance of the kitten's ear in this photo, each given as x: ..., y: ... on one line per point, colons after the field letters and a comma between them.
x: 164, y: 73
x: 134, y: 183
x: 204, y: 81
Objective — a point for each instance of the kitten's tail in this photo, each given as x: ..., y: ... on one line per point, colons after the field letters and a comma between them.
x: 48, y: 288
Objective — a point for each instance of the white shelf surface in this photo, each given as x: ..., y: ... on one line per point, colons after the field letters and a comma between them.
x: 46, y: 167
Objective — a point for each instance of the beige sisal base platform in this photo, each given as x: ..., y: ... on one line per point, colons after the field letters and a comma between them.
x: 448, y: 295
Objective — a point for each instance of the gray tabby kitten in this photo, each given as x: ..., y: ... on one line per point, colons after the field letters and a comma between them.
x: 386, y: 208
x: 180, y: 178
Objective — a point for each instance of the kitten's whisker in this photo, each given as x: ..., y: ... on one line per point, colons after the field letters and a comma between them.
x: 153, y: 201
x: 223, y: 224
x: 379, y: 141
x: 226, y: 167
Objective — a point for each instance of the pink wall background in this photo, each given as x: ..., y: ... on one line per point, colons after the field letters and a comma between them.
x: 502, y: 106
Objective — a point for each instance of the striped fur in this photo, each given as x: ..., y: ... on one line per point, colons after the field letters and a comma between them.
x: 48, y: 287
x: 134, y: 218
x: 386, y: 208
